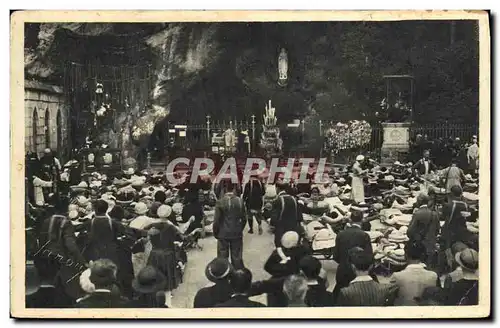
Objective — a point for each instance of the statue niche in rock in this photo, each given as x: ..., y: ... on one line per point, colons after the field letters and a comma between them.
x: 283, y: 68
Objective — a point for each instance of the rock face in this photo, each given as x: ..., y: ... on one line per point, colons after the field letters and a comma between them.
x: 228, y: 71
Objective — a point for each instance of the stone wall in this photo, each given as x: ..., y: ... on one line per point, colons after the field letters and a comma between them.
x: 46, y: 118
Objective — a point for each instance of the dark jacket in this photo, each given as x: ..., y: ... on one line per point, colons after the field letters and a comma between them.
x: 420, y: 166
x: 59, y: 256
x: 317, y: 295
x: 45, y: 298
x: 274, y: 286
x: 147, y: 301
x: 424, y: 227
x: 367, y: 293
x: 275, y: 268
x: 462, y: 292
x: 455, y: 227
x: 195, y: 209
x: 286, y: 214
x: 252, y: 194
x: 210, y: 296
x: 102, y: 239
x: 239, y: 301
x: 60, y: 238
x: 104, y: 299
x: 229, y: 218
x: 347, y: 239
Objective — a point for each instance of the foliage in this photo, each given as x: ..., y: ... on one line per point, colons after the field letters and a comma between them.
x: 351, y: 135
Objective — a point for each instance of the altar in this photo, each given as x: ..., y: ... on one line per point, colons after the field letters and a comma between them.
x: 271, y: 140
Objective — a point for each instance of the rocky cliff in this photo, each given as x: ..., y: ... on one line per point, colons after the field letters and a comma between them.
x: 230, y: 70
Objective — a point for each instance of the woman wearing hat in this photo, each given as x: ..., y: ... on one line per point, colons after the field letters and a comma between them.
x: 162, y: 255
x: 358, y: 188
x: 149, y: 288
x: 102, y: 242
x: 217, y: 271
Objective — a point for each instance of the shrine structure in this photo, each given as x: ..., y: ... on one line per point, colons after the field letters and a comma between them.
x: 270, y: 139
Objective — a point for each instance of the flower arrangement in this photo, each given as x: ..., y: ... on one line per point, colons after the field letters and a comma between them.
x: 145, y: 124
x: 351, y: 135
x: 146, y: 128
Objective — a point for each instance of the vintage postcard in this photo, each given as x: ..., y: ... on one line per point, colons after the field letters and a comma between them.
x: 190, y: 164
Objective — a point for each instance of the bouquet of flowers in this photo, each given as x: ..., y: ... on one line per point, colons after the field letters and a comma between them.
x: 350, y: 135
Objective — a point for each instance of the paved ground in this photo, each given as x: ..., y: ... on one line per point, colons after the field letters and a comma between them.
x: 256, y: 250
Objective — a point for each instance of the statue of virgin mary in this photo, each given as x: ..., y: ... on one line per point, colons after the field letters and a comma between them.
x: 282, y: 67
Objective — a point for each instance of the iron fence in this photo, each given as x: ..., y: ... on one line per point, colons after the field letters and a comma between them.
x: 445, y: 131
x: 198, y: 136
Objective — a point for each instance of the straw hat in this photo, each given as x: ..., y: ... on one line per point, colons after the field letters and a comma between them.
x: 140, y: 208
x: 360, y: 158
x: 73, y: 214
x: 403, y: 219
x: 129, y: 171
x: 177, y: 208
x: 164, y: 211
x: 289, y: 239
x: 374, y: 235
x: 397, y: 236
x: 137, y: 183
x: 389, y: 178
x: 82, y: 186
x: 82, y: 201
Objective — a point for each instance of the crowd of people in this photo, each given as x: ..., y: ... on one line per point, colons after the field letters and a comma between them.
x: 405, y: 234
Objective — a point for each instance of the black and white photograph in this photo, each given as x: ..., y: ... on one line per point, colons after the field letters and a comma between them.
x: 207, y: 161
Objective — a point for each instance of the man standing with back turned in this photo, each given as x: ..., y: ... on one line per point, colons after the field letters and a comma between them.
x: 229, y: 222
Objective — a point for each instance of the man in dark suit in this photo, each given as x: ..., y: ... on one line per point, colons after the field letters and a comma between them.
x: 103, y: 276
x: 424, y: 165
x: 352, y: 236
x: 424, y: 227
x: 455, y: 229
x: 363, y: 290
x: 241, y: 281
x: 286, y: 214
x: 229, y: 222
x: 252, y: 196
